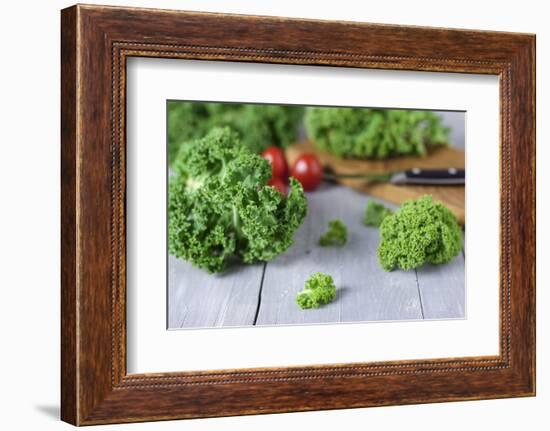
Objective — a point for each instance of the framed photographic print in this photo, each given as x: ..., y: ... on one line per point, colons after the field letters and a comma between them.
x: 264, y: 215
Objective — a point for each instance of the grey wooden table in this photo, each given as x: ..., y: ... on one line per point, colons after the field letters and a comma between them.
x: 264, y: 294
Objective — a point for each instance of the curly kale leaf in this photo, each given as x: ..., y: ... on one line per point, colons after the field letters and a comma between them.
x: 258, y: 126
x: 374, y: 133
x: 421, y: 231
x: 186, y: 120
x: 220, y: 207
x: 375, y: 214
x: 318, y: 290
x: 337, y: 234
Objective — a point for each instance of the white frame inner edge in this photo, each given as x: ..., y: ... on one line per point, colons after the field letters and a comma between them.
x: 153, y: 348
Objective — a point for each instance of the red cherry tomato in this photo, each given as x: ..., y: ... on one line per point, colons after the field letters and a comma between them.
x: 279, y: 184
x: 276, y: 158
x: 308, y: 170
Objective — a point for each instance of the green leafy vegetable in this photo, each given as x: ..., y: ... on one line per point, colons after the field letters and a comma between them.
x: 258, y: 126
x: 186, y: 120
x: 374, y: 133
x: 220, y: 207
x: 375, y: 214
x: 421, y: 231
x: 337, y: 234
x: 318, y: 290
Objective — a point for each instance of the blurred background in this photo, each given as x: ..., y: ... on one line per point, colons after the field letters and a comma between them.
x: 456, y: 121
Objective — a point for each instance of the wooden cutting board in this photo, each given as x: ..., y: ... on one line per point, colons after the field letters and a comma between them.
x: 451, y: 196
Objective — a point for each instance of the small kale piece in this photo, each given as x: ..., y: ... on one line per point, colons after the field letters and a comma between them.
x: 421, y: 231
x: 258, y: 126
x: 375, y: 214
x: 337, y: 234
x: 318, y: 290
x: 220, y: 206
x: 374, y: 133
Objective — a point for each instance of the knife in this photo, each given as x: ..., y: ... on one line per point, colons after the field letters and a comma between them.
x: 440, y: 177
x: 416, y: 176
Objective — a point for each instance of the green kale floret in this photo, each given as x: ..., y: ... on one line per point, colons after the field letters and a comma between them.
x: 421, y: 231
x: 318, y: 290
x: 375, y: 214
x: 258, y: 126
x: 337, y: 234
x: 220, y: 207
x: 185, y: 121
x: 374, y: 133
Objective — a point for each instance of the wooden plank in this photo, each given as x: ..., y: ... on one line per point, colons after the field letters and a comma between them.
x: 437, y: 157
x: 365, y: 292
x: 197, y: 299
x: 443, y: 290
x: 451, y: 196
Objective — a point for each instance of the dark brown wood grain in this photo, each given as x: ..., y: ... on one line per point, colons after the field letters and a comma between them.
x: 96, y: 41
x: 68, y: 217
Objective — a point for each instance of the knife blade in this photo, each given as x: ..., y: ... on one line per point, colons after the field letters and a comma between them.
x: 440, y: 177
x: 415, y: 176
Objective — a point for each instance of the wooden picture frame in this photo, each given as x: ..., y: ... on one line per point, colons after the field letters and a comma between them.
x: 95, y: 43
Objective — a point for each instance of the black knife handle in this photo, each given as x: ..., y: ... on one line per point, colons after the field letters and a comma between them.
x: 450, y: 176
